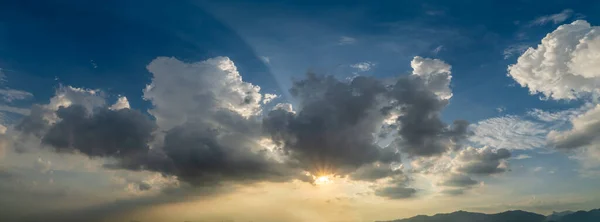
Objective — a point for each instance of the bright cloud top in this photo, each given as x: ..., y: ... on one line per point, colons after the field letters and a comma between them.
x: 564, y: 65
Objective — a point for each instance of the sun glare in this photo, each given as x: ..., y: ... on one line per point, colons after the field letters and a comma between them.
x: 322, y: 180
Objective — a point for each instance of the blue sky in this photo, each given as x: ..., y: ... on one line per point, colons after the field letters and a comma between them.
x: 58, y: 52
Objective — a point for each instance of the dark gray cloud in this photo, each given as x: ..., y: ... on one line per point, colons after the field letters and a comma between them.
x: 482, y: 161
x: 458, y: 180
x: 204, y: 155
x: 34, y: 123
x: 333, y: 129
x: 421, y: 131
x: 143, y: 186
x: 454, y: 192
x: 374, y: 172
x: 585, y: 131
x: 398, y: 191
x: 334, y: 126
x: 332, y: 132
x: 105, y: 133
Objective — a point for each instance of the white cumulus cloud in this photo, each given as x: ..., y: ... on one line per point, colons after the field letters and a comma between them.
x: 122, y: 103
x: 564, y: 65
x: 436, y: 74
x: 181, y: 91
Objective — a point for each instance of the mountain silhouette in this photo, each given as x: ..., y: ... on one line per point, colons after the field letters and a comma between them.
x: 508, y: 216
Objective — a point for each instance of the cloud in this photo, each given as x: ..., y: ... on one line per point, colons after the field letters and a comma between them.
x: 17, y: 110
x: 332, y: 131
x: 435, y: 73
x: 396, y: 192
x: 522, y: 157
x: 581, y: 140
x: 513, y: 50
x: 509, y: 132
x: 438, y: 49
x: 216, y: 141
x: 203, y: 155
x: 265, y: 59
x: 585, y: 131
x: 269, y: 97
x: 396, y: 188
x: 453, y: 171
x: 554, y: 18
x: 284, y: 106
x: 122, y: 103
x: 105, y: 133
x: 346, y: 40
x: 363, y: 66
x: 198, y: 89
x: 206, y: 127
x: 67, y: 95
x: 563, y: 65
x: 10, y: 95
x: 483, y: 161
x: 42, y: 165
x: 374, y: 172
x: 458, y: 180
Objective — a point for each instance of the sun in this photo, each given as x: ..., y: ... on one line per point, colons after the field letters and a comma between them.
x: 323, y: 180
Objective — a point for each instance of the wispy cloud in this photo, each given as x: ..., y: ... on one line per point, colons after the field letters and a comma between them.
x: 10, y: 109
x: 438, y: 49
x: 554, y: 18
x: 363, y: 66
x: 10, y: 95
x: 265, y: 59
x: 522, y: 157
x: 346, y: 40
x: 513, y: 50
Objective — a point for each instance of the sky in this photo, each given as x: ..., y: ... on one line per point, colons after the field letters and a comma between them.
x: 296, y: 110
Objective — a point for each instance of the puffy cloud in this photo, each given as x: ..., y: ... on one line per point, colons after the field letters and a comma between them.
x: 581, y: 139
x: 453, y: 171
x: 563, y: 66
x: 554, y: 18
x: 435, y: 74
x: 483, y: 161
x: 68, y: 95
x: 334, y: 125
x: 104, y: 133
x: 207, y: 130
x: 585, y: 131
x: 332, y: 130
x: 10, y: 95
x: 363, y: 66
x: 285, y: 107
x: 122, y: 103
x: 203, y: 155
x: 269, y: 97
x: 182, y: 92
